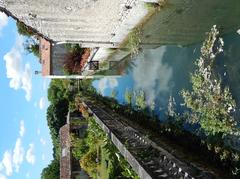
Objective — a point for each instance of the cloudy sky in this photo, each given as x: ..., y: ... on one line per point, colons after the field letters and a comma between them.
x: 25, y: 144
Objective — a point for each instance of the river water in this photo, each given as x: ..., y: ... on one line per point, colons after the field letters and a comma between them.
x: 164, y: 69
x: 165, y: 72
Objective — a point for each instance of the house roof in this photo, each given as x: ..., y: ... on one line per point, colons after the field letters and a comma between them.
x: 45, y: 56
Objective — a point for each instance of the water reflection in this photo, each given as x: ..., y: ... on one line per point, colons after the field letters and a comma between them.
x: 166, y: 71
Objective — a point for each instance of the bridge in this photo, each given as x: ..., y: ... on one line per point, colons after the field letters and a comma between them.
x: 147, y: 159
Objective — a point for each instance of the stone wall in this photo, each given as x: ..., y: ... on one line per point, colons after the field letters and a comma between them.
x: 65, y: 158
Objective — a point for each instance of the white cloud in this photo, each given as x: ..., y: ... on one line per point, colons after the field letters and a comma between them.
x: 150, y: 72
x: 18, y: 154
x: 7, y: 163
x: 30, y: 157
x: 27, y: 175
x: 238, y: 31
x: 43, y: 157
x: 22, y: 128
x: 102, y: 85
x: 43, y: 142
x: 3, y: 21
x: 12, y: 159
x: 1, y: 167
x: 42, y: 103
x: 38, y: 131
x: 2, y: 176
x: 105, y: 83
x: 19, y: 74
x: 113, y: 83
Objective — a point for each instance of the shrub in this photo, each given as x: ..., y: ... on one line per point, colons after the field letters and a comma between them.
x: 24, y: 30
x: 88, y: 161
x: 211, y: 104
x: 74, y: 61
x: 79, y: 147
x: 134, y: 41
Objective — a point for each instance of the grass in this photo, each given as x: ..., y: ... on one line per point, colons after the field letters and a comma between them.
x: 150, y: 5
x: 104, y: 65
x: 155, y: 5
x: 134, y: 41
x: 103, y: 169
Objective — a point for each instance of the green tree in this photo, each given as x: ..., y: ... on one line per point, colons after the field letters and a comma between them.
x: 51, y: 171
x: 140, y: 100
x: 58, y: 90
x: 88, y: 161
x: 114, y: 94
x: 211, y: 104
x: 128, y: 97
x: 32, y: 46
x: 24, y: 30
x: 79, y: 147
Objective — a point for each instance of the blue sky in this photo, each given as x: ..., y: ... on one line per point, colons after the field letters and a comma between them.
x: 25, y: 144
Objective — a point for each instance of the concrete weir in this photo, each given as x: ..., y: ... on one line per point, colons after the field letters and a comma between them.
x: 147, y: 159
x: 93, y: 23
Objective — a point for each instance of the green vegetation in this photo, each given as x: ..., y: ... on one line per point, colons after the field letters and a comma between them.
x: 79, y: 147
x: 114, y: 93
x: 74, y: 48
x: 52, y: 171
x: 211, y: 102
x: 59, y: 97
x: 134, y: 41
x: 154, y: 6
x: 104, y: 65
x: 128, y: 97
x: 140, y: 100
x: 162, y: 3
x: 150, y: 6
x: 24, y: 30
x: 102, y: 158
x: 31, y: 45
x: 97, y: 155
x: 75, y: 59
x: 210, y: 150
x: 32, y: 48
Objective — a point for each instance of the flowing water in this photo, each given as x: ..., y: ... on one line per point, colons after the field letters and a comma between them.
x: 163, y: 72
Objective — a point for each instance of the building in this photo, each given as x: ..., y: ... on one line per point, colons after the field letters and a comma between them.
x: 70, y: 167
x: 52, y: 58
x: 90, y: 23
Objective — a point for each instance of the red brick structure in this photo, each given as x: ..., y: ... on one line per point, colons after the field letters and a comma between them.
x: 52, y: 58
x: 54, y: 64
x: 70, y: 167
x: 45, y: 56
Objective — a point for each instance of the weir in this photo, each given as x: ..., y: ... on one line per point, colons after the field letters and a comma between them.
x: 147, y: 159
